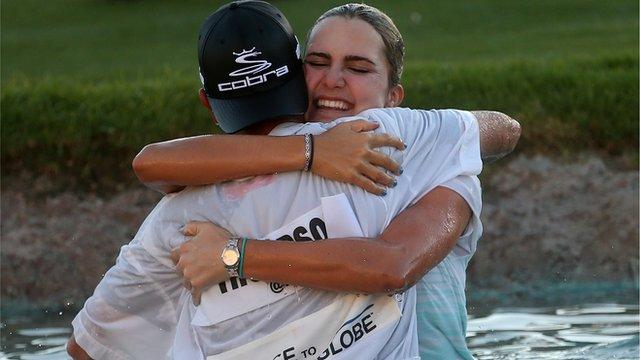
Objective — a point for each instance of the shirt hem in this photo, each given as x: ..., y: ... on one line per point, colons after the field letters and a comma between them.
x: 94, y: 348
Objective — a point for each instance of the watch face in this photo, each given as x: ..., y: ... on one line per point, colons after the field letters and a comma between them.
x: 230, y: 257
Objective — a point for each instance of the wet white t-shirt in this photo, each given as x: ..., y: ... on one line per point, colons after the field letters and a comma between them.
x: 140, y: 310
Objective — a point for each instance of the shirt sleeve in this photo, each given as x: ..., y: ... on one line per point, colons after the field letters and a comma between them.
x: 441, y: 145
x: 133, y: 311
x: 449, y: 148
x: 469, y: 188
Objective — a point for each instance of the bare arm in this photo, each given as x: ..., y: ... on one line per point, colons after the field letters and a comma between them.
x: 345, y: 153
x: 499, y: 134
x: 414, y: 242
x: 340, y: 155
x: 168, y: 166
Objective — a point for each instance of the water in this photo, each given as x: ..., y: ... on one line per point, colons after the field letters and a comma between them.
x: 601, y: 331
x: 26, y: 341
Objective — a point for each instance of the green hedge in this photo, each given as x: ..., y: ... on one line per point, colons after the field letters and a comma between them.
x: 572, y: 105
x: 88, y: 133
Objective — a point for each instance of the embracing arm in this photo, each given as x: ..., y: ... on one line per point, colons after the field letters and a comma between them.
x: 168, y: 166
x: 414, y: 242
x: 499, y: 134
x: 344, y: 153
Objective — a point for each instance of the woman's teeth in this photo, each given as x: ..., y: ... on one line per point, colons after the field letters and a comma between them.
x: 333, y: 104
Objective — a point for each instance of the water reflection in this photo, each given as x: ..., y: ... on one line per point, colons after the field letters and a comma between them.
x: 23, y: 341
x: 602, y: 331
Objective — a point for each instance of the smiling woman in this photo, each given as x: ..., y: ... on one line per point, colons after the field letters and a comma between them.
x: 348, y: 74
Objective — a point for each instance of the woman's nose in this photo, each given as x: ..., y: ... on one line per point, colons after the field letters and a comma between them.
x: 334, y: 77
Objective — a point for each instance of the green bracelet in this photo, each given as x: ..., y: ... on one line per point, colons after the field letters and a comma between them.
x: 241, y: 263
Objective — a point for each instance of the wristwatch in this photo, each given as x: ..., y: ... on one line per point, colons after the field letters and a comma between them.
x: 231, y: 257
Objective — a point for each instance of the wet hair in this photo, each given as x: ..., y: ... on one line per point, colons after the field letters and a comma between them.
x: 382, y: 23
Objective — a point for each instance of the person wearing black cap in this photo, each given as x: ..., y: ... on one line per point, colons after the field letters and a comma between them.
x: 236, y: 76
x: 234, y: 319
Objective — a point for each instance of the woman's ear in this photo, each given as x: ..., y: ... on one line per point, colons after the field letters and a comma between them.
x: 395, y: 96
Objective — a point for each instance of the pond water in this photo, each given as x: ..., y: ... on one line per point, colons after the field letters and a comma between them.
x: 604, y: 331
x: 600, y: 331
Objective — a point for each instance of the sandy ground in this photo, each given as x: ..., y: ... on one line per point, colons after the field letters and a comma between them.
x: 579, y: 220
x: 544, y: 221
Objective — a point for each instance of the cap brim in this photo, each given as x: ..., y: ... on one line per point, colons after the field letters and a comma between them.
x: 287, y: 99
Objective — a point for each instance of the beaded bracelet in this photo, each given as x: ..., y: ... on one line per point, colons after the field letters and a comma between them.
x: 308, y: 151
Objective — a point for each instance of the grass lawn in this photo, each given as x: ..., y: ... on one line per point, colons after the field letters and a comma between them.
x: 100, y: 39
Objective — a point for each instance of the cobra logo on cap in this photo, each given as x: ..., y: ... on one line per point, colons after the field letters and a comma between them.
x: 258, y: 66
x: 255, y: 66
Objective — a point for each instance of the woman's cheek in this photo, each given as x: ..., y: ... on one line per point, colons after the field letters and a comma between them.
x: 371, y: 94
x: 311, y: 77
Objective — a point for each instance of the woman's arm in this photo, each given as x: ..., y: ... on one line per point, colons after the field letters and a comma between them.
x: 168, y: 166
x: 414, y: 242
x: 499, y: 134
x: 344, y: 153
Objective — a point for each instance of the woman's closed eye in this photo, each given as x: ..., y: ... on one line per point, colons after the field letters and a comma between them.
x: 359, y: 70
x: 315, y: 63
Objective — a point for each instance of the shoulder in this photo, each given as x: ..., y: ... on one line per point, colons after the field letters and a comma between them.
x: 419, y: 125
x: 415, y: 117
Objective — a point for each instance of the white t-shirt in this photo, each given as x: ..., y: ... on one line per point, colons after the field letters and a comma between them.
x: 135, y: 308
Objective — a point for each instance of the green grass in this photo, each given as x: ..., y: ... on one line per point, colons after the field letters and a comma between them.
x: 86, y: 83
x: 99, y: 39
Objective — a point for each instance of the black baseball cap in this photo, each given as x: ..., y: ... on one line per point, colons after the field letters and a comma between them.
x: 250, y: 65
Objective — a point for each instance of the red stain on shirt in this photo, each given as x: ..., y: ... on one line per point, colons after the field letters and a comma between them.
x: 236, y: 190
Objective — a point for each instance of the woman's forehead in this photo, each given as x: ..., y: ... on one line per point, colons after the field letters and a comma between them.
x: 340, y: 37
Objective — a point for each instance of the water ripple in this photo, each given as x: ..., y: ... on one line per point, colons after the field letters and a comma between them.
x: 599, y: 331
x: 602, y: 331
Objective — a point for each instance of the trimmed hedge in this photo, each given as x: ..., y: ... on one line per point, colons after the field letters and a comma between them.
x: 572, y: 105
x: 88, y: 133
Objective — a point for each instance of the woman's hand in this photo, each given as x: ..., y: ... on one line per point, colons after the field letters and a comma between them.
x: 346, y: 153
x: 198, y: 260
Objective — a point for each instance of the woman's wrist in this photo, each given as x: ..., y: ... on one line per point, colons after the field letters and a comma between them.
x: 246, y: 249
